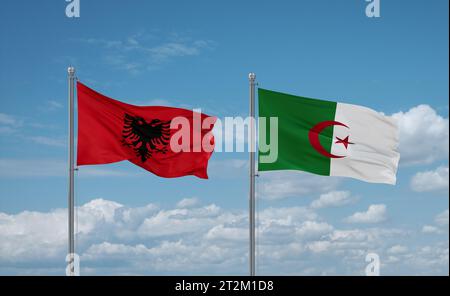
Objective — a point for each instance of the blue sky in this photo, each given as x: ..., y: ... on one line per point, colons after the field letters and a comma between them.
x: 201, y: 53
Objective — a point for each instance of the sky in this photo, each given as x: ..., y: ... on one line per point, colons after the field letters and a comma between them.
x: 198, y: 55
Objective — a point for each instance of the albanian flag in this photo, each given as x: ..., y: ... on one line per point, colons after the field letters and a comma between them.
x: 169, y: 142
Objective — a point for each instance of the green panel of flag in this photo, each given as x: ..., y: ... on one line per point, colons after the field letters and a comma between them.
x: 296, y: 116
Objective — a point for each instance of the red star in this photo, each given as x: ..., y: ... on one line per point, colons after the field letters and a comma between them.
x: 343, y: 141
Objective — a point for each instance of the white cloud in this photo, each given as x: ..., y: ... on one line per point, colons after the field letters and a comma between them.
x: 161, y: 53
x: 424, y: 135
x: 17, y: 129
x: 280, y: 185
x: 6, y: 119
x: 55, y: 142
x: 431, y: 180
x: 442, y: 218
x: 431, y: 229
x: 285, y: 215
x: 313, y: 229
x: 38, y: 236
x: 51, y: 105
x: 141, y: 52
x: 333, y: 199
x: 227, y: 233
x: 319, y: 246
x: 188, y: 202
x: 11, y: 167
x: 353, y: 235
x: 13, y: 125
x: 9, y: 124
x: 25, y: 168
x: 204, y: 239
x: 441, y: 221
x: 374, y: 214
x: 429, y: 258
x: 397, y: 249
x: 101, y: 209
x: 55, y: 104
x: 119, y: 235
x: 179, y: 221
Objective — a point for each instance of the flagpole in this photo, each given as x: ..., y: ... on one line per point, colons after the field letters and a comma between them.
x: 71, y: 200
x: 252, y: 251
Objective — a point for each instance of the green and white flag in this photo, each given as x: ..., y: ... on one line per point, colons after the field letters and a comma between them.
x: 329, y: 138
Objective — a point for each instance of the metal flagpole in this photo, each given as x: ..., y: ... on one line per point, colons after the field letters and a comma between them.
x: 71, y: 72
x: 252, y: 251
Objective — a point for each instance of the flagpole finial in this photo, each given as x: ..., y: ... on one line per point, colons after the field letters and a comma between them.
x: 251, y: 76
x: 71, y: 70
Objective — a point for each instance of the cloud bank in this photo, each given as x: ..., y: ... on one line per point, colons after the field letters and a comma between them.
x: 193, y: 238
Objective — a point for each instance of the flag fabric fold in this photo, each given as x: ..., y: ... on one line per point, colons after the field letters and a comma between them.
x: 111, y: 131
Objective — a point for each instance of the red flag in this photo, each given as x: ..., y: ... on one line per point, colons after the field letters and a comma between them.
x: 111, y: 131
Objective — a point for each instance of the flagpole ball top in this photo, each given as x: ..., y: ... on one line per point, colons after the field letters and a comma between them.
x: 71, y: 70
x: 251, y: 76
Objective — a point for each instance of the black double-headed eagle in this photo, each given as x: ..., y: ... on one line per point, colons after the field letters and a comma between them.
x: 145, y: 137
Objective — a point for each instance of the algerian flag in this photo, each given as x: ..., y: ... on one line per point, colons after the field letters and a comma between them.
x: 329, y: 138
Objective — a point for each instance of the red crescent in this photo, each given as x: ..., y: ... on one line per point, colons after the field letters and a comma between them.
x: 314, y: 133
